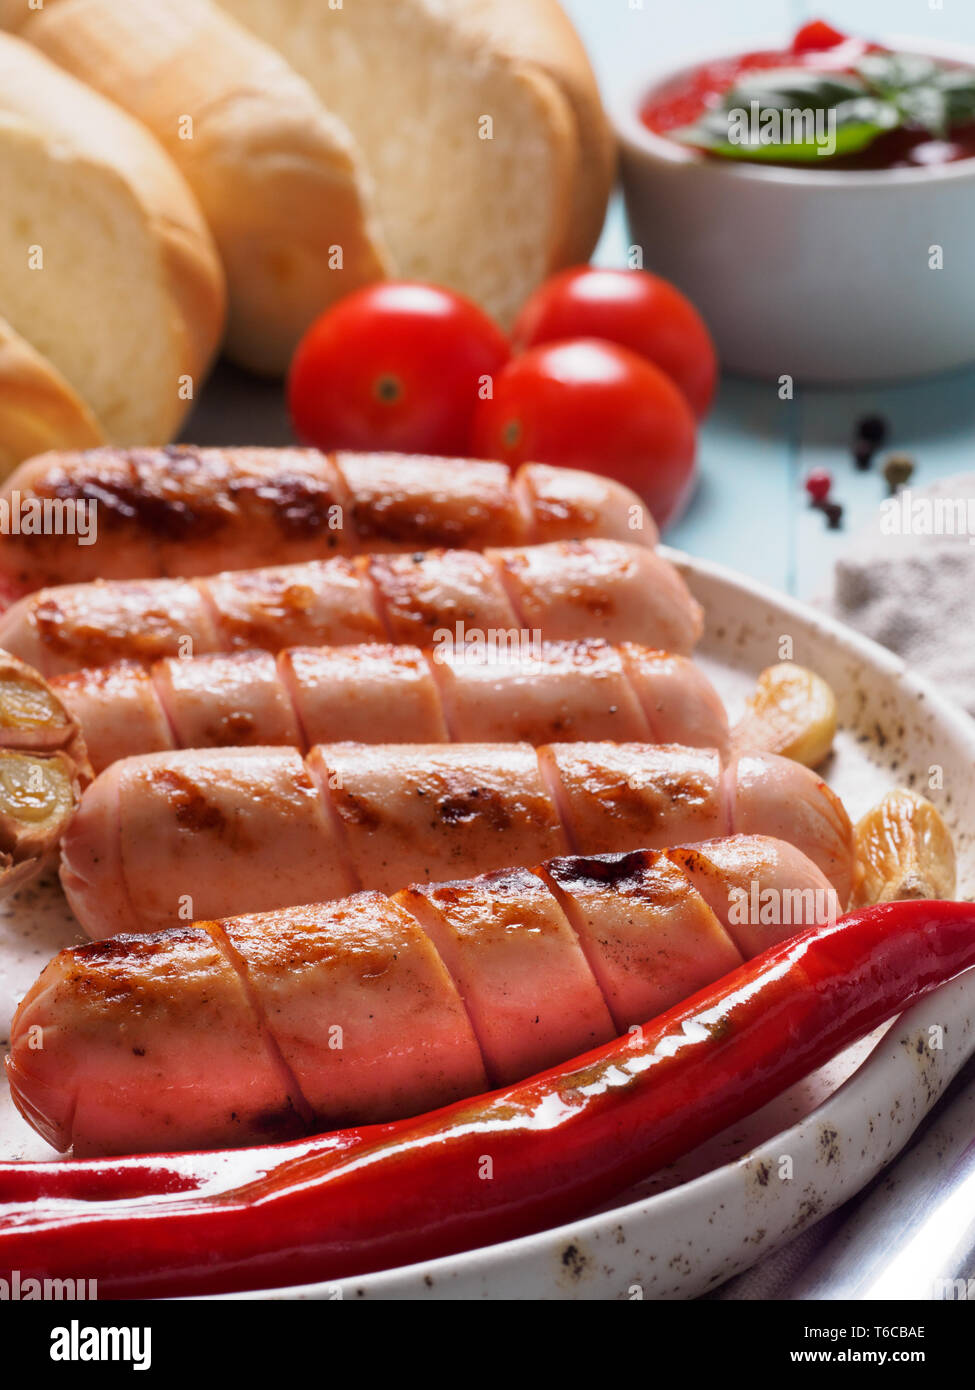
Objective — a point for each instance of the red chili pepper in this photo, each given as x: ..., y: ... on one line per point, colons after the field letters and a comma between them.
x: 483, y: 1170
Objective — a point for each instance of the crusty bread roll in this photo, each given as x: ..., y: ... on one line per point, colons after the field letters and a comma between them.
x: 419, y: 83
x: 277, y: 176
x: 106, y: 265
x: 38, y: 409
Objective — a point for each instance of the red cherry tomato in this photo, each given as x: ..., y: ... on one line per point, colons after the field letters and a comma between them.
x: 816, y: 36
x: 634, y: 309
x: 395, y: 366
x: 590, y: 404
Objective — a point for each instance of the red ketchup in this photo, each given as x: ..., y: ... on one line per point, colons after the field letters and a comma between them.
x: 817, y: 47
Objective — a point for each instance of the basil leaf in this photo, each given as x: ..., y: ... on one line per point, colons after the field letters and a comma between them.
x: 891, y: 73
x: 856, y: 123
x: 887, y: 90
x: 957, y: 86
x: 926, y: 107
x: 784, y: 88
x: 928, y: 94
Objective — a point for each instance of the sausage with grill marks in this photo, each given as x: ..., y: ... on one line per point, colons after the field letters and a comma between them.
x: 307, y: 695
x: 186, y: 511
x: 562, y: 591
x: 372, y: 1008
x: 211, y: 832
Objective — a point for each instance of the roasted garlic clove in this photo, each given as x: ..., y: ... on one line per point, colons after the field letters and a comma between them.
x: 31, y: 715
x: 36, y: 799
x: 793, y: 713
x: 43, y: 767
x: 904, y: 850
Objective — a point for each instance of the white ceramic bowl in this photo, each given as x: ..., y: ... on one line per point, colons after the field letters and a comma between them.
x: 821, y: 275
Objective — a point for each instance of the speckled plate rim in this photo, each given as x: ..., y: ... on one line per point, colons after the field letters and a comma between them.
x: 680, y: 1242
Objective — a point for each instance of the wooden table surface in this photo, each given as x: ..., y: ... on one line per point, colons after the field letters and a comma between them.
x: 751, y: 510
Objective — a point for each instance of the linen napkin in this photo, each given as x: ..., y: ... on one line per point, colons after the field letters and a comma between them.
x: 908, y: 581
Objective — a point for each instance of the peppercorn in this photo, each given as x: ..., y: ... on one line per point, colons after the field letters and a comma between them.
x: 863, y: 452
x: 818, y: 484
x: 873, y: 429
x: 898, y: 469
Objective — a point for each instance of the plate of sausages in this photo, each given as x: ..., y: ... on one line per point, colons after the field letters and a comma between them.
x: 424, y: 855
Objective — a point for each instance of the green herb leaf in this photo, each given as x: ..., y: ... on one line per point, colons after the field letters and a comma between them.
x: 957, y: 86
x: 925, y: 107
x: 921, y: 89
x: 783, y: 88
x: 891, y: 73
x: 796, y: 115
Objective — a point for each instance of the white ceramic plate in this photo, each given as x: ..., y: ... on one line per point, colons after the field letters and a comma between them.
x: 730, y: 1202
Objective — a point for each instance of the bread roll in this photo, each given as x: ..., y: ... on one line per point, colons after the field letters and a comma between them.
x: 106, y: 265
x: 38, y: 409
x: 480, y: 123
x: 277, y: 176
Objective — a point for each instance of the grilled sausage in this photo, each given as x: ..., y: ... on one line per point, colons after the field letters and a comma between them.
x: 308, y: 695
x: 207, y: 833
x: 557, y: 592
x: 187, y: 511
x: 372, y: 1008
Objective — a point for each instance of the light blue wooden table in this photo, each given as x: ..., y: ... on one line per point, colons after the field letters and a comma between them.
x: 751, y: 510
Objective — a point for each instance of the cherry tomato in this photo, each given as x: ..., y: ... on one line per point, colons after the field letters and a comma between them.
x: 394, y: 366
x: 634, y: 309
x: 593, y: 405
x: 816, y: 36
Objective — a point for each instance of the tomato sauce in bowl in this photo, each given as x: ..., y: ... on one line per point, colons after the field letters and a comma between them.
x: 680, y: 101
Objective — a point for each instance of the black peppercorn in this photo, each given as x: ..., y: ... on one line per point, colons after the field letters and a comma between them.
x: 873, y: 429
x: 863, y: 452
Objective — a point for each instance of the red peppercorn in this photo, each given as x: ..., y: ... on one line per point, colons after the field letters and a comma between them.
x: 818, y: 484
